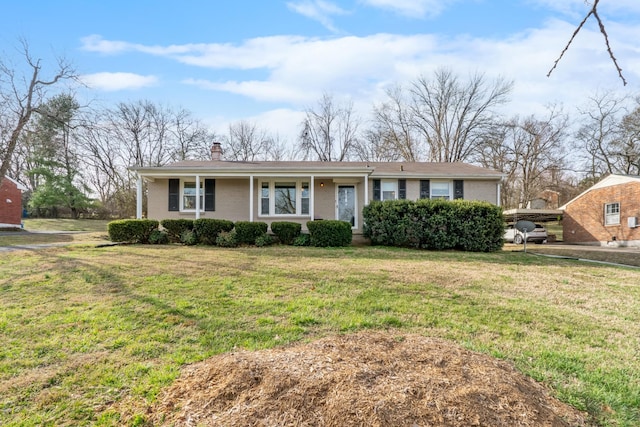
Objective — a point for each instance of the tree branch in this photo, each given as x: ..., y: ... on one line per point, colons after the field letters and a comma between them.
x: 594, y: 12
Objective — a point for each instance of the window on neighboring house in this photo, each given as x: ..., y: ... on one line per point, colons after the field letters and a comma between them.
x: 284, y: 198
x: 440, y: 190
x: 612, y: 214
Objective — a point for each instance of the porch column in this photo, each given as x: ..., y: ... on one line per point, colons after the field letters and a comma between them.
x: 366, y: 189
x: 197, y: 196
x: 250, y: 198
x: 139, y: 198
x: 312, y: 196
x: 499, y: 191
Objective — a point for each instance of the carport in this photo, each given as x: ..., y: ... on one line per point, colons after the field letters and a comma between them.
x: 533, y: 215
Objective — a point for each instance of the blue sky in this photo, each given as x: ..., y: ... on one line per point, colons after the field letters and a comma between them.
x: 267, y: 60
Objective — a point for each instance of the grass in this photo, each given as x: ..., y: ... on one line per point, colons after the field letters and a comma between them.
x: 36, y: 232
x: 91, y: 336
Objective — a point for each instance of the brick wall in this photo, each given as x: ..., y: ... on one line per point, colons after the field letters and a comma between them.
x: 10, y: 212
x: 583, y: 220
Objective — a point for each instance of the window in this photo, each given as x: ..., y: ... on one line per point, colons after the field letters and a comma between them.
x: 189, y: 195
x: 612, y: 214
x: 286, y: 198
x: 182, y: 195
x: 389, y: 190
x: 440, y: 190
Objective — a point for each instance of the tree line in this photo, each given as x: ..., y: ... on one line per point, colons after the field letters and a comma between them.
x: 75, y: 159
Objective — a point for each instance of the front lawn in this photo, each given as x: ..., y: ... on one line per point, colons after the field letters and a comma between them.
x: 90, y: 336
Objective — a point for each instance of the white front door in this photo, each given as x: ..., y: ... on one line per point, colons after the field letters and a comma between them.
x: 346, y: 209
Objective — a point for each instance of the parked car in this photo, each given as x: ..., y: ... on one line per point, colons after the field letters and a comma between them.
x: 538, y: 235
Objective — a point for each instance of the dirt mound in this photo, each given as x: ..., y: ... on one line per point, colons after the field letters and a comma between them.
x: 365, y: 379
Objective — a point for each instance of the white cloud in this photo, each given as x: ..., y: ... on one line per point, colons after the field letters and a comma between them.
x: 118, y: 81
x: 297, y: 70
x: 412, y: 8
x: 318, y: 10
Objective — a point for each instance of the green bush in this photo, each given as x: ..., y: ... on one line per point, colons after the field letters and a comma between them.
x: 208, y: 229
x: 189, y: 238
x: 158, y: 237
x: 131, y: 230
x: 303, y: 239
x: 286, y: 231
x: 227, y: 239
x: 175, y: 227
x: 330, y: 233
x: 435, y: 224
x: 247, y: 232
x: 264, y: 240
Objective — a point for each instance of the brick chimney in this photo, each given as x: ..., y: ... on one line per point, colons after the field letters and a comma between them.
x: 216, y: 151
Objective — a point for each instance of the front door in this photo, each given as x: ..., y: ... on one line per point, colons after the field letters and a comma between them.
x: 346, y: 206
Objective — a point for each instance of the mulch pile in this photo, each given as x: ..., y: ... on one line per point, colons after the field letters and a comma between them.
x: 364, y: 379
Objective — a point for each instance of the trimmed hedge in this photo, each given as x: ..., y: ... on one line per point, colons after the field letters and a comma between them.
x: 131, y: 230
x: 208, y: 229
x: 175, y: 227
x: 330, y: 233
x: 247, y: 232
x: 435, y: 224
x: 286, y: 231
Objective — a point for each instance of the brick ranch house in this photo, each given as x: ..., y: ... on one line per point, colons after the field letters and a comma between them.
x: 608, y: 213
x: 300, y: 191
x: 10, y: 203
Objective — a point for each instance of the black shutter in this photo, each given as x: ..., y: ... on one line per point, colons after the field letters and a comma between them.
x: 424, y: 189
x: 402, y: 189
x: 209, y: 194
x: 458, y: 189
x: 376, y: 189
x: 174, y: 194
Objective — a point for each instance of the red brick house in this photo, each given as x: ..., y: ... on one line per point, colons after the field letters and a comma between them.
x: 10, y: 203
x: 606, y: 214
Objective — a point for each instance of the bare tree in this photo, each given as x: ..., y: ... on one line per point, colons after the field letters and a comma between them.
x: 592, y: 12
x: 454, y: 118
x: 530, y: 152
x: 192, y: 139
x: 606, y: 127
x: 393, y: 135
x: 329, y: 133
x: 247, y: 142
x: 20, y: 95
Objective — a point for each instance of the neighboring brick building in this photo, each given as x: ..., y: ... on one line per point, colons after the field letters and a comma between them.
x: 606, y: 214
x: 10, y: 203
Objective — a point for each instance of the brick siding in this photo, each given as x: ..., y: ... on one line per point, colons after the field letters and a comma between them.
x: 583, y: 220
x: 10, y: 213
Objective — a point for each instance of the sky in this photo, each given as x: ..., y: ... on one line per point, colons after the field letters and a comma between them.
x: 267, y: 61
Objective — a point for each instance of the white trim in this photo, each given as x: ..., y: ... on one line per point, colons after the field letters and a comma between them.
x: 181, y: 195
x: 272, y: 197
x: 198, y: 207
x: 366, y: 190
x: 251, y: 198
x: 139, y: 198
x: 312, y: 197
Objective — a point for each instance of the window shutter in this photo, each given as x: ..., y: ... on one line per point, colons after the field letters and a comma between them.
x: 458, y: 189
x: 402, y: 189
x: 425, y: 191
x: 209, y: 194
x: 174, y: 194
x: 376, y: 189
